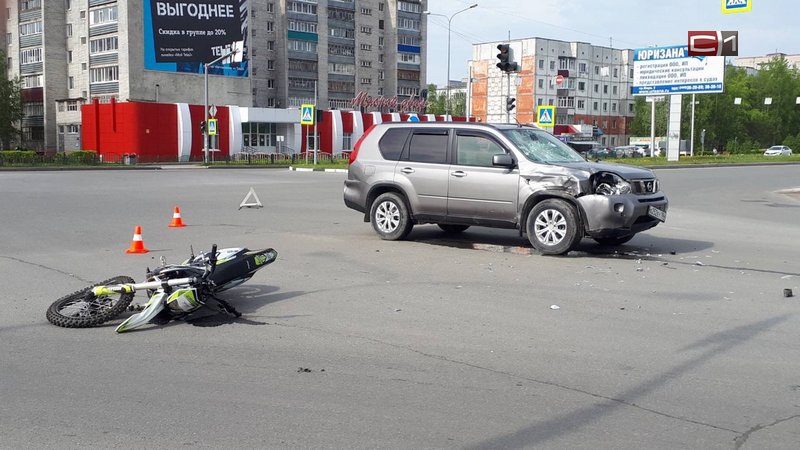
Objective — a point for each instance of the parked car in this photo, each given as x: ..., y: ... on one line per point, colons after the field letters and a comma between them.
x: 599, y: 153
x: 458, y: 175
x: 778, y: 150
x: 628, y: 151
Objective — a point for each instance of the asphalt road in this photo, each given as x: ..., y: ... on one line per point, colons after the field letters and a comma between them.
x: 680, y: 339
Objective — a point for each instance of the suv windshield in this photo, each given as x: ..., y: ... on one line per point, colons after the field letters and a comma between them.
x: 540, y: 146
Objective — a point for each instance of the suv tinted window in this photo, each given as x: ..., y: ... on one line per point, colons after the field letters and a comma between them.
x: 474, y: 150
x: 392, y: 143
x: 429, y: 146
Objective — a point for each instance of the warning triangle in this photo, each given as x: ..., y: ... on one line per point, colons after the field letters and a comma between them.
x: 307, y: 115
x: 253, y: 203
x: 544, y: 116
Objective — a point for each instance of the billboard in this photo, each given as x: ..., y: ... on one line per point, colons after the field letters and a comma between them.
x: 670, y: 70
x: 180, y: 36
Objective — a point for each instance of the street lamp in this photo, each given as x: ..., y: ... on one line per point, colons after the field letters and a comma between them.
x: 205, y: 103
x: 449, y: 20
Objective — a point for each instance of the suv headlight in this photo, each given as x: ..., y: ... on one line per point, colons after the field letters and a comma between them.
x: 607, y: 183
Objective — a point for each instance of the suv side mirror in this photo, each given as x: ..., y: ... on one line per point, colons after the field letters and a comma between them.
x: 503, y: 160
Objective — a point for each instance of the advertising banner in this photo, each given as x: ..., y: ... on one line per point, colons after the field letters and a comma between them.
x: 182, y: 35
x: 670, y: 70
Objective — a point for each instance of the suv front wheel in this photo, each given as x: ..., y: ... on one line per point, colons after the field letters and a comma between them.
x: 553, y: 227
x: 389, y: 217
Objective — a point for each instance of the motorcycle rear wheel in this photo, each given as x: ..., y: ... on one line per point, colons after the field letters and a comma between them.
x: 76, y: 311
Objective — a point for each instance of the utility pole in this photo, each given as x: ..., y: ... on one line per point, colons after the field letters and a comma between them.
x: 205, y: 102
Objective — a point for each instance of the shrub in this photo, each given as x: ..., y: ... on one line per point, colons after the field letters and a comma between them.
x: 82, y: 157
x: 12, y: 157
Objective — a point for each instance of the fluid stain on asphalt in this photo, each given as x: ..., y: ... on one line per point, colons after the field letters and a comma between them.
x: 216, y: 320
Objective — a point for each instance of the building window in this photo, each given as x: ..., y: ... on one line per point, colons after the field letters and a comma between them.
x: 103, y: 15
x: 407, y: 24
x: 614, y: 107
x: 305, y: 84
x: 408, y: 58
x: 581, y: 85
x: 616, y: 72
x: 30, y: 56
x: 270, y: 45
x: 104, y: 74
x: 538, y: 102
x: 71, y: 82
x: 301, y: 46
x: 365, y: 63
x: 581, y: 104
x: 270, y: 7
x: 270, y: 84
x: 552, y: 65
x: 597, y: 70
x: 271, y: 102
x: 25, y: 5
x: 69, y: 30
x: 343, y: 69
x: 342, y: 50
x: 408, y: 91
x: 33, y: 109
x: 343, y: 33
x: 366, y: 30
x: 32, y: 81
x: 302, y: 26
x: 103, y: 45
x: 596, y: 88
x: 366, y: 47
x: 605, y: 106
x: 60, y: 106
x: 30, y: 28
x: 407, y: 40
x: 541, y: 64
x: 380, y: 24
x: 270, y: 64
x: 366, y: 11
x: 347, y: 141
x: 582, y: 68
x: 72, y: 105
x: 340, y: 14
x: 408, y: 7
x: 302, y: 8
x: 550, y: 102
x: 605, y: 89
x: 541, y: 83
x: 380, y: 6
x: 366, y: 81
x: 594, y: 106
x: 614, y: 90
x: 69, y: 56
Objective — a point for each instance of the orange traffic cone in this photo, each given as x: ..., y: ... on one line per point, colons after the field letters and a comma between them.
x: 137, y: 245
x: 176, y: 219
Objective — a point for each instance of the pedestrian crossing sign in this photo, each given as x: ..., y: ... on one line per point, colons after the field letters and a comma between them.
x: 546, y: 116
x: 212, y: 127
x: 307, y: 115
x: 736, y: 6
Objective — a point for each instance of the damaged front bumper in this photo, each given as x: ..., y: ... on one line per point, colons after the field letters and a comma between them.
x: 621, y: 215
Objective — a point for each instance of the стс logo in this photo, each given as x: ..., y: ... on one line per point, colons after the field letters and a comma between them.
x: 713, y: 43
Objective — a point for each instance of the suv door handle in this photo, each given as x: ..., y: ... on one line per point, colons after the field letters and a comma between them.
x: 459, y: 173
x: 407, y: 170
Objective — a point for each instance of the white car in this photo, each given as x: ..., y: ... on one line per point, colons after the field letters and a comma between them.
x: 778, y: 150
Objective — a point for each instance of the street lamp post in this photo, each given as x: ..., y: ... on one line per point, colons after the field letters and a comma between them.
x: 449, y: 21
x: 205, y: 102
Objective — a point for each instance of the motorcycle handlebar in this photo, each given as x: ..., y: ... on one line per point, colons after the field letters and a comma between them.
x: 212, y: 260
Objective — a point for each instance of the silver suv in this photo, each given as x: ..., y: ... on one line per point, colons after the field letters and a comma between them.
x: 506, y: 176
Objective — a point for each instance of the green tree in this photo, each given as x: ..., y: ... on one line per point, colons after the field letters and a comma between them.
x: 436, y: 102
x: 10, y: 105
x: 641, y: 118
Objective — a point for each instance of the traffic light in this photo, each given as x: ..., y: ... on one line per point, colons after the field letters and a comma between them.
x: 510, y: 103
x: 506, y: 63
x: 203, y: 126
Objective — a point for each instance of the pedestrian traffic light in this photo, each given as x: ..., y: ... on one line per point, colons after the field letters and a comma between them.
x: 510, y: 103
x: 203, y: 126
x: 506, y: 58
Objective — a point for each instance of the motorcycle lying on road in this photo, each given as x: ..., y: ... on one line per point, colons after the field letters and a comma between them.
x: 174, y: 290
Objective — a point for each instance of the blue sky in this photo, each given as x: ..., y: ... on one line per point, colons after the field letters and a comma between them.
x: 770, y: 26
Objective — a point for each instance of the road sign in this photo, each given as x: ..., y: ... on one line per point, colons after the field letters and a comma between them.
x: 307, y: 115
x: 212, y: 127
x: 212, y: 111
x: 546, y: 116
x: 736, y: 6
x: 559, y: 80
x: 413, y: 118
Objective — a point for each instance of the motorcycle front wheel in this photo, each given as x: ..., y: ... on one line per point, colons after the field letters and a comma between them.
x: 77, y: 310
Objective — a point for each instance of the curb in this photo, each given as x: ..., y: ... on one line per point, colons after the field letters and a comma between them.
x: 308, y: 169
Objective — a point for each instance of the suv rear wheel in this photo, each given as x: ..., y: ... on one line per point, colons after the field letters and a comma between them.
x: 389, y: 217
x: 553, y: 227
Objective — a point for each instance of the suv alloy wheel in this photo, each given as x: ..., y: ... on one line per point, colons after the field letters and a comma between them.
x: 389, y: 217
x: 553, y: 227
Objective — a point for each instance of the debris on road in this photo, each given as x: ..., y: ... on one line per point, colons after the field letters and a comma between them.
x: 787, y: 293
x: 698, y: 263
x: 555, y: 307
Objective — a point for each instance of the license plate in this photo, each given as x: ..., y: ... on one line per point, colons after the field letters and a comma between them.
x: 656, y: 213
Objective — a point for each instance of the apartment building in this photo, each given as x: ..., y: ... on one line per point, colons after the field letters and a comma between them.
x: 71, y: 52
x: 594, y: 88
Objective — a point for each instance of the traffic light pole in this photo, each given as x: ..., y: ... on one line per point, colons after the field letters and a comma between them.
x: 508, y: 97
x: 205, y: 102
